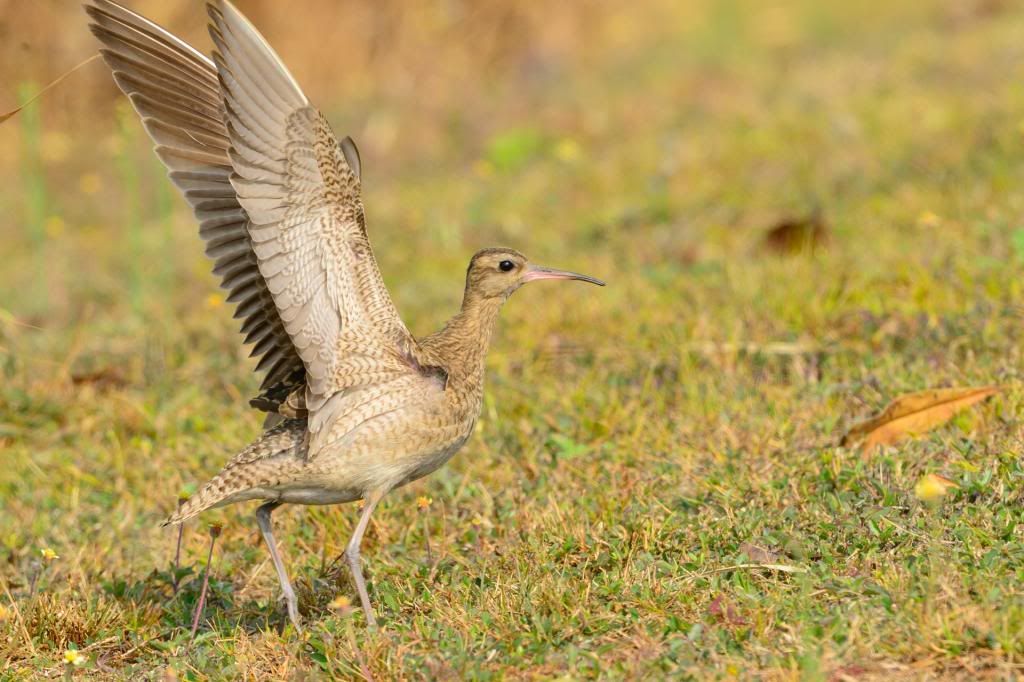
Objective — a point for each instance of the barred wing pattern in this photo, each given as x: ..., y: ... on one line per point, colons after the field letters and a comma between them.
x: 302, y: 196
x: 175, y: 90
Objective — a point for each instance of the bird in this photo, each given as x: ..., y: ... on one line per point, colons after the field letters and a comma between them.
x: 356, y: 406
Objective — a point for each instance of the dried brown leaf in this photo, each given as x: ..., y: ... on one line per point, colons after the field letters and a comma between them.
x: 724, y: 612
x: 106, y: 377
x: 759, y: 554
x: 797, y: 235
x: 915, y: 413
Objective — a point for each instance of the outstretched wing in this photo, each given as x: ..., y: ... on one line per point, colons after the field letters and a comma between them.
x: 302, y: 196
x: 278, y: 200
x: 175, y: 90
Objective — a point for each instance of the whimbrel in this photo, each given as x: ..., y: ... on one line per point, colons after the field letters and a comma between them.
x: 356, y: 406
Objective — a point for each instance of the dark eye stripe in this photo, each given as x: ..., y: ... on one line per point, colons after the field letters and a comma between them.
x: 506, y: 265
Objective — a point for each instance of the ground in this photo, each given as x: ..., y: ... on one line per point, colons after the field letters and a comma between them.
x: 645, y: 449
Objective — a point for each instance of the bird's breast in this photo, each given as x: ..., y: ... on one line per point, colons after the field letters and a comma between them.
x: 380, y: 446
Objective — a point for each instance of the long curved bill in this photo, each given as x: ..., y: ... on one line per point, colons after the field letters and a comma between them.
x: 535, y: 272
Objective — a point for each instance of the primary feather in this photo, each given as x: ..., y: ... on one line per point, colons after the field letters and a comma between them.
x: 278, y: 200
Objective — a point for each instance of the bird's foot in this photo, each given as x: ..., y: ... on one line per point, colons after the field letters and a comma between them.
x: 292, y: 608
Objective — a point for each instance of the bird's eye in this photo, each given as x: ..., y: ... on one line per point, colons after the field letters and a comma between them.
x: 506, y: 265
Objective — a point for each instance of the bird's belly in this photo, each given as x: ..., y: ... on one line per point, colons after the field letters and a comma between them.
x: 422, y: 465
x: 385, y: 464
x: 318, y: 495
x: 392, y: 449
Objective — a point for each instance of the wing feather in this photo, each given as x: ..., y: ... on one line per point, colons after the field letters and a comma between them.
x: 301, y: 190
x: 176, y: 91
x: 278, y: 202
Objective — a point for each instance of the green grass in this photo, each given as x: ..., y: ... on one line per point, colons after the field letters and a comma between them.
x: 638, y: 443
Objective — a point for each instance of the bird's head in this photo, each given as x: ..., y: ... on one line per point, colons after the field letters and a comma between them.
x: 496, y: 273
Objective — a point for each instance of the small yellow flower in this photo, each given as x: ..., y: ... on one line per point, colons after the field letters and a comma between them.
x: 74, y: 657
x: 929, y: 219
x: 55, y: 147
x: 90, y: 183
x: 54, y: 226
x: 932, y: 488
x: 567, y: 150
x: 341, y: 604
x: 423, y: 502
x: 483, y: 168
x: 214, y: 301
x: 5, y: 613
x: 48, y: 554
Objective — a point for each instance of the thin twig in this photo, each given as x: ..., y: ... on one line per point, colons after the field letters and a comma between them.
x: 914, y: 533
x: 54, y: 83
x: 363, y: 668
x: 771, y: 348
x: 214, y: 532
x: 784, y: 568
x: 177, y: 551
x: 426, y: 538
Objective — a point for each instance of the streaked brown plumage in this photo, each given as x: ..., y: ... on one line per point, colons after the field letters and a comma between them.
x: 357, y: 406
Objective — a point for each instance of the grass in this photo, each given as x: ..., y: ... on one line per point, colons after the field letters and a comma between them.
x: 643, y: 448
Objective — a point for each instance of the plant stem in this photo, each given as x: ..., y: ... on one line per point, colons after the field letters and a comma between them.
x: 214, y: 532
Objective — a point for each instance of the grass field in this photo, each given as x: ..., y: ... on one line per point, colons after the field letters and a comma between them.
x: 644, y: 449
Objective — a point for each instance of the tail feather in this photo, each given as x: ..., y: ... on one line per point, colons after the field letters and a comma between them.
x: 247, y: 470
x: 214, y: 492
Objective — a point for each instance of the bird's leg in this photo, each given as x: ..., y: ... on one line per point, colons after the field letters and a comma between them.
x: 263, y: 519
x: 352, y: 554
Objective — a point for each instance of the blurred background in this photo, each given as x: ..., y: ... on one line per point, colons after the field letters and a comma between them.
x: 631, y: 134
x: 626, y: 134
x: 802, y: 208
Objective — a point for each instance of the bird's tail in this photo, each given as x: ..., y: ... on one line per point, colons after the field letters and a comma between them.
x: 251, y: 468
x: 210, y: 495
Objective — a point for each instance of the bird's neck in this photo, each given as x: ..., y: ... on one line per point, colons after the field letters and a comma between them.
x: 463, y: 342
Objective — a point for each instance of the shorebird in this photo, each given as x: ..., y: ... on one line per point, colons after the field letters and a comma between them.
x: 356, y: 405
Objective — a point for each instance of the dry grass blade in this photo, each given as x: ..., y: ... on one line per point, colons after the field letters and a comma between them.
x: 915, y: 413
x: 781, y: 568
x: 52, y: 84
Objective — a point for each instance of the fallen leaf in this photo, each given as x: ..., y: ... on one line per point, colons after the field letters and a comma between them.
x: 797, y: 235
x: 782, y: 568
x: 848, y: 672
x: 758, y: 554
x: 915, y: 413
x: 106, y: 377
x: 963, y: 13
x: 724, y: 612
